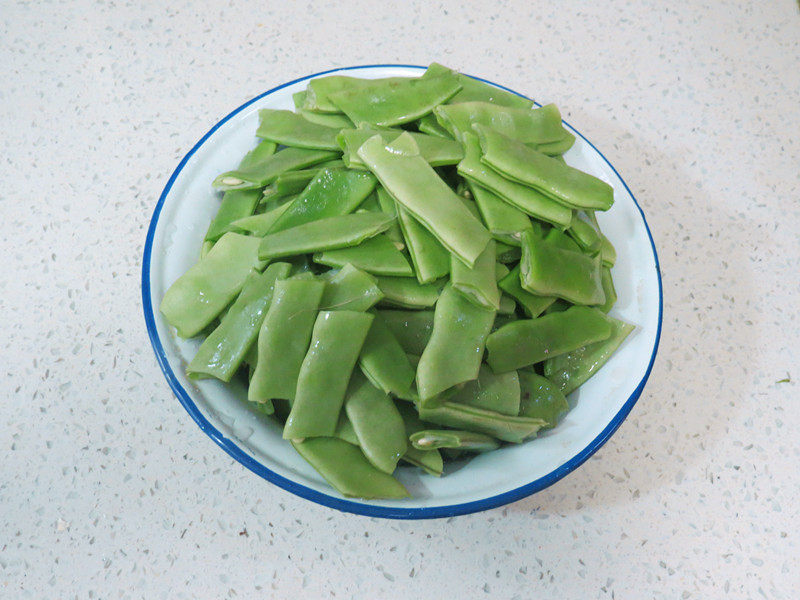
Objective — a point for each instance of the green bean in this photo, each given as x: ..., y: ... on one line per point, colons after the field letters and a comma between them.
x: 430, y: 460
x: 291, y: 129
x: 584, y: 234
x: 319, y: 90
x: 350, y: 289
x: 223, y: 351
x: 379, y: 102
x: 550, y: 271
x: 259, y: 225
x: 408, y: 293
x: 336, y: 121
x: 506, y: 253
x: 299, y: 99
x: 377, y: 255
x: 555, y: 179
x: 505, y: 222
x: 536, y: 127
x: 496, y: 392
x: 468, y: 441
x: 527, y: 342
x: 573, y: 369
x: 412, y: 328
x: 532, y: 304
x: 345, y: 430
x: 541, y: 399
x: 436, y: 151
x: 557, y: 238
x: 235, y: 205
x: 384, y: 361
x: 474, y: 90
x: 371, y: 204
x: 430, y: 259
x: 608, y: 289
x: 417, y: 187
x: 346, y: 468
x: 336, y: 342
x: 429, y: 125
x: 294, y: 182
x: 388, y: 206
x: 283, y: 339
x: 455, y: 350
x: 607, y: 252
x: 200, y: 294
x: 265, y: 171
x: 524, y: 198
x: 332, y: 193
x: 377, y: 423
x: 507, y: 305
x: 460, y: 416
x: 478, y: 283
x: 325, y: 234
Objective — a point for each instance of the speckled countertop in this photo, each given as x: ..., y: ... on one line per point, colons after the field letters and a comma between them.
x: 109, y: 490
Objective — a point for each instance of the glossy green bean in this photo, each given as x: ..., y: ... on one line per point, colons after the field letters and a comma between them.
x: 607, y: 251
x: 377, y: 255
x: 384, y: 362
x: 573, y: 369
x: 496, y: 392
x: 532, y: 304
x: 350, y: 289
x: 585, y: 235
x: 507, y: 254
x: 507, y: 306
x: 235, y: 205
x: 430, y: 126
x: 541, y: 399
x: 468, y: 441
x: 417, y: 187
x: 336, y: 342
x: 550, y: 271
x: 332, y: 193
x: 335, y: 121
x: 264, y: 172
x: 558, y: 238
x: 412, y: 328
x: 608, y: 289
x: 291, y: 129
x: 478, y: 283
x: 345, y: 431
x: 259, y: 225
x: 223, y: 351
x: 529, y: 341
x: 520, y: 196
x: 430, y: 259
x: 325, y: 234
x: 387, y: 104
x: 377, y: 423
x: 455, y: 350
x: 555, y: 179
x: 200, y: 294
x: 429, y: 460
x: 405, y: 292
x: 436, y: 151
x: 319, y: 90
x: 346, y: 468
x: 284, y: 338
x: 294, y: 182
x: 460, y: 416
x: 388, y: 206
x: 504, y: 221
x: 475, y: 90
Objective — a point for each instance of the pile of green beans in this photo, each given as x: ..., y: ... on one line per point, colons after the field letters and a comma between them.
x: 403, y: 269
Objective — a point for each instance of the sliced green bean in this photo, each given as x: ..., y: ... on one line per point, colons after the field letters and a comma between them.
x: 555, y: 179
x: 332, y: 193
x: 384, y: 361
x: 507, y: 306
x: 299, y: 98
x: 573, y: 369
x: 561, y: 240
x: 506, y: 253
x: 335, y: 121
x: 496, y: 392
x: 529, y: 341
x: 412, y: 328
x: 346, y: 468
x: 371, y: 203
x: 283, y: 339
x: 468, y: 441
x: 404, y: 292
x: 608, y: 290
x: 345, y: 431
x: 235, y: 205
x: 417, y: 187
x: 430, y: 460
x: 350, y: 289
x: 532, y: 304
x: 200, y: 294
x: 607, y: 252
x: 479, y: 283
x: 550, y: 271
x: 430, y: 259
x: 541, y: 399
x: 223, y: 351
x: 264, y: 172
x: 378, y: 102
x: 429, y: 125
x: 259, y: 225
x: 460, y: 416
x: 475, y: 90
x: 377, y: 255
x: 294, y: 182
x: 585, y: 235
x: 455, y: 350
x: 388, y: 205
x: 377, y: 423
x: 524, y: 198
x: 436, y: 151
x: 505, y: 222
x: 325, y: 234
x: 291, y: 129
x: 319, y: 90
x: 336, y: 342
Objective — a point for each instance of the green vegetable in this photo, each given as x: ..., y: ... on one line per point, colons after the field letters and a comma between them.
x: 291, y: 129
x: 451, y: 438
x: 377, y: 255
x: 265, y: 171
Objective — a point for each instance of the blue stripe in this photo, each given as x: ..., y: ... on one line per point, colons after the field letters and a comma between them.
x: 338, y: 503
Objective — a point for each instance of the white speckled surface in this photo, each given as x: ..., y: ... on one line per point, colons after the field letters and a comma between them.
x: 109, y: 490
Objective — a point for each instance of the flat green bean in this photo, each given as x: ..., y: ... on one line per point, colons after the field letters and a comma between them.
x: 607, y: 252
x: 384, y: 361
x: 541, y: 399
x: 478, y: 283
x: 412, y: 328
x: 460, y: 416
x: 452, y: 438
x: 532, y: 304
x: 430, y: 460
x: 475, y: 90
x: 405, y: 292
x: 265, y: 171
x: 336, y: 342
x: 388, y: 206
x: 504, y: 221
x: 350, y: 289
x: 377, y: 255
x: 496, y: 392
x: 259, y: 225
x: 430, y: 259
x: 608, y: 289
x: 335, y: 121
x: 436, y: 151
x: 319, y: 90
x: 291, y: 129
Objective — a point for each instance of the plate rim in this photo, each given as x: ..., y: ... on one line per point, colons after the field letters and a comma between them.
x: 352, y: 505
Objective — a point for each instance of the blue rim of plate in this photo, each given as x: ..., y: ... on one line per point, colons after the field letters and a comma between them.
x: 339, y: 503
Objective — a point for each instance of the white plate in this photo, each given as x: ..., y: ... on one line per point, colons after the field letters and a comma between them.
x: 176, y: 231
